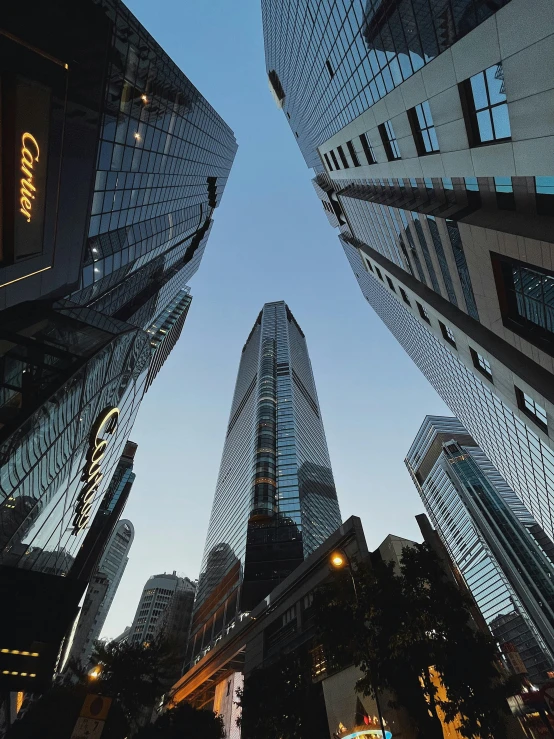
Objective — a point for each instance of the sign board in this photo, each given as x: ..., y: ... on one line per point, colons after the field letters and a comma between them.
x: 96, y: 707
x: 104, y: 426
x: 32, y: 116
x: 87, y: 728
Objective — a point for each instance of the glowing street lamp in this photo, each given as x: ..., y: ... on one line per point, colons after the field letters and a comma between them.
x: 337, y: 560
x: 95, y: 672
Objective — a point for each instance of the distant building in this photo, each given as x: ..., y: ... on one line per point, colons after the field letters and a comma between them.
x: 95, y: 609
x: 157, y: 594
x: 173, y: 627
x: 123, y: 637
x: 275, y: 500
x: 491, y: 538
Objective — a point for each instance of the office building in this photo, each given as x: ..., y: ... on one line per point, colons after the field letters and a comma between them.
x: 429, y: 128
x: 173, y: 627
x: 101, y: 591
x: 156, y: 596
x: 112, y: 166
x: 275, y: 500
x: 491, y: 538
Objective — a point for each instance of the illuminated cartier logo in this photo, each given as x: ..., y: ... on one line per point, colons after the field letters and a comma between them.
x: 105, y: 425
x: 29, y: 155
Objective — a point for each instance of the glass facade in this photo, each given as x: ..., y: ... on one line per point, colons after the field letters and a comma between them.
x: 487, y: 532
x: 163, y: 159
x: 523, y: 459
x: 275, y: 500
x: 371, y: 48
x: 159, y: 159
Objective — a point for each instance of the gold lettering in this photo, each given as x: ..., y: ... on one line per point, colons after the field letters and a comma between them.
x: 27, y: 185
x: 31, y: 138
x: 106, y: 423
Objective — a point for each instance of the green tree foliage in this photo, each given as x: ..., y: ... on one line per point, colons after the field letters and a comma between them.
x: 396, y: 627
x: 282, y: 702
x: 184, y: 722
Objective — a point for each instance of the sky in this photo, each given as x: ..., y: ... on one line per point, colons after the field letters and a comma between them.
x: 270, y: 241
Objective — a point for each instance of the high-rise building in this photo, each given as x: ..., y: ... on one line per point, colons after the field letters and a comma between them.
x: 95, y: 609
x: 429, y: 127
x: 156, y: 596
x: 112, y: 166
x: 491, y: 538
x: 275, y: 500
x: 173, y: 627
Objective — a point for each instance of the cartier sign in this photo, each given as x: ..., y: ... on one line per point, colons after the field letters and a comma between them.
x: 29, y: 159
x: 103, y: 428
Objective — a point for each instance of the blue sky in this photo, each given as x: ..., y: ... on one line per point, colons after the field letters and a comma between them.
x: 270, y: 241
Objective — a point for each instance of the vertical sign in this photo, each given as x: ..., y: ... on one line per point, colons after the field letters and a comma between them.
x: 32, y: 118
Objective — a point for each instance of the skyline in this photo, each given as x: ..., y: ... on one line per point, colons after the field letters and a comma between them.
x: 270, y: 195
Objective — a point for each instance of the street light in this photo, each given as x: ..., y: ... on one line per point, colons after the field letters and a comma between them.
x: 95, y: 672
x: 339, y: 559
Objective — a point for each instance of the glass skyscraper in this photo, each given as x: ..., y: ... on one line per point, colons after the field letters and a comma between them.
x: 416, y: 119
x: 275, y: 500
x: 492, y: 539
x: 128, y: 162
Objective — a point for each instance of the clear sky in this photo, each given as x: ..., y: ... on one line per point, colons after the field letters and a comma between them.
x: 270, y: 241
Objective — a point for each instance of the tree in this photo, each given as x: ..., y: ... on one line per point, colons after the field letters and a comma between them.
x: 184, y: 722
x: 131, y: 673
x: 282, y: 702
x: 128, y: 673
x: 412, y: 633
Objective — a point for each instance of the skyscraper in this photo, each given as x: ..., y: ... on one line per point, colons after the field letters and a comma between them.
x: 109, y: 572
x: 156, y: 596
x: 275, y: 500
x: 491, y: 538
x: 112, y: 166
x: 431, y: 157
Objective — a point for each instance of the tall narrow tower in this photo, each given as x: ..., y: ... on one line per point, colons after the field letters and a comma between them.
x: 275, y: 500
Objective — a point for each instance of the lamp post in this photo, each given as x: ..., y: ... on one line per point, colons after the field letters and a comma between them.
x: 340, y: 560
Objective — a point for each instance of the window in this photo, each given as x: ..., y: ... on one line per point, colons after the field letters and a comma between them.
x: 481, y: 363
x: 343, y: 159
x: 379, y: 275
x: 289, y: 615
x: 544, y: 189
x: 531, y: 409
x: 423, y: 129
x: 405, y: 297
x: 329, y: 165
x: 334, y: 158
x: 485, y: 106
x: 423, y: 313
x: 390, y: 143
x: 330, y: 69
x: 526, y: 298
x: 368, y: 265
x: 447, y: 334
x: 368, y: 149
x: 352, y: 150
x: 504, y: 193
x: 390, y: 284
x: 276, y: 86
